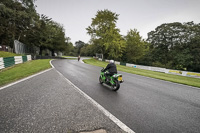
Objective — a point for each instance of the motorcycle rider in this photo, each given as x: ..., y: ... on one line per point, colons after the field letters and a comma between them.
x: 112, y: 69
x: 79, y: 57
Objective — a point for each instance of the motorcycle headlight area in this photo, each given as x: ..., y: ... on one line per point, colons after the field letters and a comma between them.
x: 117, y: 75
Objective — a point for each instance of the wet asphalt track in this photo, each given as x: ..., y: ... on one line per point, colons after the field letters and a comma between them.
x: 143, y: 104
x: 48, y: 103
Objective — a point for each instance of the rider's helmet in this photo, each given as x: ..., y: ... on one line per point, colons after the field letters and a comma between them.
x: 111, y: 61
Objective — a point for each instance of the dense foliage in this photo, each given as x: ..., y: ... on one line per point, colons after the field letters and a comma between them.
x: 176, y: 45
x: 105, y: 35
x: 135, y: 47
x: 172, y: 45
x: 20, y: 21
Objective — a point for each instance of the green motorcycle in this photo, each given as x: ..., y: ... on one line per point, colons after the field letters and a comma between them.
x: 112, y: 81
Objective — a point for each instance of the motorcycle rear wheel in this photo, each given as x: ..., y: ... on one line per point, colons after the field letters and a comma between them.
x: 116, y: 86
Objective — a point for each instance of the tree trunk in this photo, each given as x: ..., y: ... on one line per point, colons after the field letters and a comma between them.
x: 41, y: 49
x: 52, y: 52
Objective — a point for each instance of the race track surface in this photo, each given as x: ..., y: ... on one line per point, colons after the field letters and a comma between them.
x: 143, y: 104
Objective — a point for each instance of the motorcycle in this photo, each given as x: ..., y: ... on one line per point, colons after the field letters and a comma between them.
x: 112, y: 81
x: 79, y: 58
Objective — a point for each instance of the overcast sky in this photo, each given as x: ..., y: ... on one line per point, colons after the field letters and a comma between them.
x: 143, y: 15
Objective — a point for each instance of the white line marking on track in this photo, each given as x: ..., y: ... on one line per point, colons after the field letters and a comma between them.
x: 107, y: 113
x: 51, y: 64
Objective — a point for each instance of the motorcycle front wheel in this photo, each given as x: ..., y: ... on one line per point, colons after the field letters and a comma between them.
x: 100, y: 80
x: 116, y: 86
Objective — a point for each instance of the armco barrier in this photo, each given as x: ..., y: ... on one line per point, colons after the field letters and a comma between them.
x: 107, y: 60
x: 158, y: 69
x: 141, y: 67
x: 116, y: 62
x: 176, y: 72
x: 129, y: 65
x: 10, y: 61
x: 193, y: 74
x: 184, y: 73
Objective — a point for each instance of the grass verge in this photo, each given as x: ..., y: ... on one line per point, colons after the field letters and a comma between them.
x: 70, y: 56
x: 8, y: 54
x: 158, y: 75
x: 23, y: 70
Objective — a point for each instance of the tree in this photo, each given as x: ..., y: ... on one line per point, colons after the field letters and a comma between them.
x: 83, y: 50
x: 171, y: 44
x: 88, y: 50
x: 41, y: 34
x: 135, y: 46
x: 78, y: 45
x: 105, y: 35
x: 69, y: 46
x: 19, y: 21
x: 47, y: 34
x: 56, y: 37
x: 194, y: 47
x: 16, y: 19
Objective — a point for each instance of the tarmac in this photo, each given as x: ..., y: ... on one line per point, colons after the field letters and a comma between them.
x: 49, y: 103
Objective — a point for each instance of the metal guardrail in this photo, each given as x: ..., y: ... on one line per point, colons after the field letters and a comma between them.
x: 159, y: 69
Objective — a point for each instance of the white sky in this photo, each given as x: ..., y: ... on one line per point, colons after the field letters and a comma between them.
x: 143, y: 15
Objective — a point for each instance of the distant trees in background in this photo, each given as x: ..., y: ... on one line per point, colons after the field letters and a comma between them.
x: 171, y: 45
x: 20, y: 21
x: 175, y: 45
x: 78, y: 45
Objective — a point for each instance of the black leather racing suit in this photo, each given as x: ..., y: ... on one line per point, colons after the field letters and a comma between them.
x: 112, y: 69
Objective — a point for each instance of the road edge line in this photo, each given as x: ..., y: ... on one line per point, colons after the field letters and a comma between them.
x: 101, y: 108
x: 51, y: 63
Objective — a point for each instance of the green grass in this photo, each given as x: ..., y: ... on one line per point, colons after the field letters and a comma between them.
x: 158, y: 75
x: 23, y: 70
x: 69, y: 56
x: 8, y: 54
